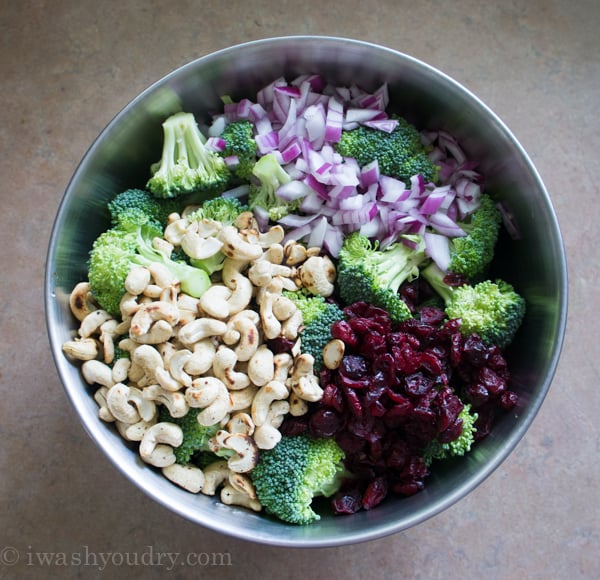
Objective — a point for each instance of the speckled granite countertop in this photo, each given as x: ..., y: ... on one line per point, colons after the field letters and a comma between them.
x: 68, y: 67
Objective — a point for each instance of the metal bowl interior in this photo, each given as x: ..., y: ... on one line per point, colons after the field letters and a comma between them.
x: 535, y: 263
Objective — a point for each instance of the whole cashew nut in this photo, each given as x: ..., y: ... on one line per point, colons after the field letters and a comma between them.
x: 175, y: 402
x: 261, y: 366
x: 200, y: 329
x: 156, y: 446
x: 272, y: 391
x: 188, y: 477
x: 81, y: 301
x: 224, y: 369
x: 210, y: 394
x: 214, y: 475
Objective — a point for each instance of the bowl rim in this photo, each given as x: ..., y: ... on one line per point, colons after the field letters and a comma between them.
x: 98, y: 432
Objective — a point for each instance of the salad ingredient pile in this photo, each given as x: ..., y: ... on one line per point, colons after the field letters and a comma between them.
x: 297, y: 304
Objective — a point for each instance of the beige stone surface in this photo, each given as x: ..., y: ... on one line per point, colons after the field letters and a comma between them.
x: 67, y: 67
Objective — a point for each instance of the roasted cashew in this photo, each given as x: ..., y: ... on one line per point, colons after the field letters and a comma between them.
x: 214, y: 302
x: 198, y: 247
x: 282, y: 364
x: 92, y: 322
x: 246, y: 452
x: 261, y: 366
x: 240, y: 491
x: 96, y: 372
x: 200, y: 329
x: 81, y: 348
x: 135, y: 431
x: 214, y: 475
x: 333, y: 353
x: 298, y: 406
x: 241, y: 287
x: 224, y: 369
x: 211, y: 395
x: 149, y: 360
x: 103, y: 410
x: 263, y: 271
x: 151, y: 312
x: 241, y: 400
x: 202, y: 357
x: 294, y: 253
x: 175, y: 231
x: 267, y: 435
x: 234, y: 246
x: 318, y: 275
x: 137, y: 279
x: 188, y: 477
x: 303, y: 380
x: 81, y: 301
x: 272, y: 391
x: 160, y: 331
x: 127, y: 404
x: 175, y: 402
x: 290, y: 328
x: 156, y: 446
x: 120, y: 369
x: 240, y: 423
x: 270, y: 325
x: 177, y: 363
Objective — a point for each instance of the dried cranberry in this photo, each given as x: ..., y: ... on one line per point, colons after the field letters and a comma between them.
x: 346, y: 502
x: 417, y: 384
x: 333, y: 398
x: 448, y: 407
x: 343, y: 331
x: 475, y: 351
x: 324, y: 423
x: 280, y: 345
x: 477, y: 394
x: 452, y: 432
x: 494, y: 384
x: 432, y: 315
x: 293, y: 426
x: 353, y: 402
x: 508, y: 400
x: 375, y: 493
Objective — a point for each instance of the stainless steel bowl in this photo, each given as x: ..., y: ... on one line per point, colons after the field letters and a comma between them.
x: 535, y: 263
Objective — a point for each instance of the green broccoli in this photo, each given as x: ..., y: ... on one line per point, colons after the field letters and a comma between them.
x: 186, y: 165
x: 271, y: 176
x: 399, y: 154
x: 491, y: 309
x: 367, y: 273
x: 240, y: 143
x: 135, y: 207
x: 461, y: 445
x: 117, y: 250
x: 224, y: 210
x: 195, y: 445
x: 299, y: 468
x: 471, y: 255
x: 317, y: 317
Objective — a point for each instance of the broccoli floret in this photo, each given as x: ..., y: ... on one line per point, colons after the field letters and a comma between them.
x: 461, y: 445
x: 367, y: 273
x: 117, y: 250
x: 186, y: 165
x: 135, y: 207
x: 271, y: 176
x: 224, y: 210
x: 472, y: 254
x: 288, y: 477
x: 491, y: 309
x: 399, y: 154
x: 240, y: 143
x: 317, y: 317
x: 195, y: 436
